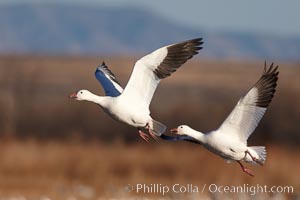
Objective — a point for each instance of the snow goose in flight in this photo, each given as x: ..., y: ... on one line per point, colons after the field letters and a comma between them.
x: 230, y: 140
x: 131, y: 105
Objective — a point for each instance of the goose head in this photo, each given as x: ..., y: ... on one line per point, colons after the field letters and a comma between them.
x: 81, y: 95
x: 181, y: 130
x: 188, y: 131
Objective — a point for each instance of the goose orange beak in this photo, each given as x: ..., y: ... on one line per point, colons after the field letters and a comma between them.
x: 73, y: 96
x: 174, y: 130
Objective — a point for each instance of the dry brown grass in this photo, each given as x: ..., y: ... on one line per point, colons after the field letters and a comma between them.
x: 88, y: 171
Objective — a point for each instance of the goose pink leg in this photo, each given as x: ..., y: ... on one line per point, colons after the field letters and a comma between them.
x: 144, y: 136
x: 254, y: 159
x: 151, y: 133
x: 246, y: 170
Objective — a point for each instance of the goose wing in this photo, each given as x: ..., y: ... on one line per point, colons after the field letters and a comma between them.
x: 150, y: 69
x: 246, y: 115
x: 108, y: 81
x: 179, y: 138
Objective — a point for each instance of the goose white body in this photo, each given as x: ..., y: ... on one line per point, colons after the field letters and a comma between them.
x: 227, y: 146
x: 127, y: 111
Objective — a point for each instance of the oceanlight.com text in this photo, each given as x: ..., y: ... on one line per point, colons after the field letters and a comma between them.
x: 164, y: 189
x: 249, y: 189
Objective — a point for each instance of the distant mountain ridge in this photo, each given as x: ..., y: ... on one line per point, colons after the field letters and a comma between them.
x: 74, y: 29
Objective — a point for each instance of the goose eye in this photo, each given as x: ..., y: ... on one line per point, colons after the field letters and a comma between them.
x: 80, y: 92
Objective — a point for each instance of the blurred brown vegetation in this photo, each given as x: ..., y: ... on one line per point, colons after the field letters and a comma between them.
x: 34, y: 99
x: 57, y: 147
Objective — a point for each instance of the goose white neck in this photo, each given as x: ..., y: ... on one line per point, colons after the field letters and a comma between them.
x: 100, y: 100
x: 196, y: 135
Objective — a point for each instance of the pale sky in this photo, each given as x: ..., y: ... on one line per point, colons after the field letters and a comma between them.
x: 263, y: 16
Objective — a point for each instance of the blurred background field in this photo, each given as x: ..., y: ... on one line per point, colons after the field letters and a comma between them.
x: 55, y: 147
x: 52, y: 147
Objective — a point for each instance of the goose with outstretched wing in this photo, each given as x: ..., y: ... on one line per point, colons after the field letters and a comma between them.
x: 131, y: 105
x: 230, y: 140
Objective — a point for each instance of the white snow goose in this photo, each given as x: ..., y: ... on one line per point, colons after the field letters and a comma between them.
x: 131, y: 106
x: 230, y: 140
